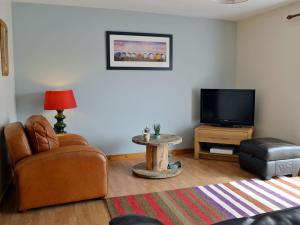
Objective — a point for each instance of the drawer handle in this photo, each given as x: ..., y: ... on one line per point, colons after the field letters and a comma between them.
x: 224, y: 138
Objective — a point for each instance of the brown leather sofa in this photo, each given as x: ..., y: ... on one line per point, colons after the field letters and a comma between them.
x: 52, y: 169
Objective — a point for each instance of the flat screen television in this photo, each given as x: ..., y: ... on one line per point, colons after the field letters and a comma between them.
x: 227, y: 107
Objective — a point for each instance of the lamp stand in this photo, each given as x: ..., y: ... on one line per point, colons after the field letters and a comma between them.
x: 60, y: 125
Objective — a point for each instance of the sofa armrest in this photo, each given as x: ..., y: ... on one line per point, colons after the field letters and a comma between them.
x: 71, y: 139
x: 66, y: 174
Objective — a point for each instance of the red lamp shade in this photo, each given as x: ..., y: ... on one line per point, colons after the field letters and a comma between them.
x: 59, y: 100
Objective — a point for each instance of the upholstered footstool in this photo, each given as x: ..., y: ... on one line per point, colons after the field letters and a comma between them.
x: 269, y: 157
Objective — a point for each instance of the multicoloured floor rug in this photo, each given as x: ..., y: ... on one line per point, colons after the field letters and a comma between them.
x: 212, y: 203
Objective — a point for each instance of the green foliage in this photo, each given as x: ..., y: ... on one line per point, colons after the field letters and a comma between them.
x: 156, y: 128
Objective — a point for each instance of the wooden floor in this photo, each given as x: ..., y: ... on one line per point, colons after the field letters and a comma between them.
x: 121, y: 182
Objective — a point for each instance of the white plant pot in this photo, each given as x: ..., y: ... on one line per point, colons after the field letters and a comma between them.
x: 147, y: 137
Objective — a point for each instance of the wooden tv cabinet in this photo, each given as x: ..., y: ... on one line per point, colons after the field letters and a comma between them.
x: 219, y: 135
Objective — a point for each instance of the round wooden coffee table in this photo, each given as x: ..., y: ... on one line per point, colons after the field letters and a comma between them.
x: 157, y: 149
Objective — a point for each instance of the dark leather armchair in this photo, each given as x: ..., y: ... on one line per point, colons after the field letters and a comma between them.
x: 290, y: 216
x: 50, y: 169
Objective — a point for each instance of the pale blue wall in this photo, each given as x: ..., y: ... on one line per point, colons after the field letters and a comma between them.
x: 64, y: 47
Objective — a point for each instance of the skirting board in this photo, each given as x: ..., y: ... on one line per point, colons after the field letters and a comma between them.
x: 174, y: 152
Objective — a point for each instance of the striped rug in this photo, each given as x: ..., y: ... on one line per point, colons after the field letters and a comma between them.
x: 212, y: 203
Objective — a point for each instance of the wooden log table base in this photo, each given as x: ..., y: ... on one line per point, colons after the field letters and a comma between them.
x: 157, y: 150
x: 141, y: 171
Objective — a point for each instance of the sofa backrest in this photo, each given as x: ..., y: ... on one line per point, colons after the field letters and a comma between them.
x: 16, y: 142
x: 40, y: 134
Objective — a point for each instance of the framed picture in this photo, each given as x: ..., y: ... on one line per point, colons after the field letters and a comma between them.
x: 4, y: 48
x: 138, y: 51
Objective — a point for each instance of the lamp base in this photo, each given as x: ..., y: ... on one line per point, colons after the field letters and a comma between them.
x: 59, y: 127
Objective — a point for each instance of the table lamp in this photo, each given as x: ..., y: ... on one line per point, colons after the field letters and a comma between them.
x: 59, y: 100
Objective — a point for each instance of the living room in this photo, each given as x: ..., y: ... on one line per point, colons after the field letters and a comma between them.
x: 114, y: 99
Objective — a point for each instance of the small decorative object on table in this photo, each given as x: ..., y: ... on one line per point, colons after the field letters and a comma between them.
x: 174, y: 165
x: 147, y: 134
x: 156, y: 130
x: 59, y: 100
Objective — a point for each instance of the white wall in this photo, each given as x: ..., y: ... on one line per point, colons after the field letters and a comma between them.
x: 268, y: 59
x: 7, y: 95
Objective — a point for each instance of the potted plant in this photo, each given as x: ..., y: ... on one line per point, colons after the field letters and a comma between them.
x: 146, y: 134
x: 156, y: 130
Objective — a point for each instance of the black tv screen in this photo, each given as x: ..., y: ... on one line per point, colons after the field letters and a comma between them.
x: 227, y: 106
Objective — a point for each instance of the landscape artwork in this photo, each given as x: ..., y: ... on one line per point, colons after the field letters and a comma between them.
x: 139, y: 51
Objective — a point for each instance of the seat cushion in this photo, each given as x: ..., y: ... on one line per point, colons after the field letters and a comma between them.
x: 41, y: 135
x: 270, y: 149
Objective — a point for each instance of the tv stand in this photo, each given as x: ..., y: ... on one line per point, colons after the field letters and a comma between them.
x: 211, y: 134
x: 226, y: 125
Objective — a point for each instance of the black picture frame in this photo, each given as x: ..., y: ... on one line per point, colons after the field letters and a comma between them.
x: 168, y: 64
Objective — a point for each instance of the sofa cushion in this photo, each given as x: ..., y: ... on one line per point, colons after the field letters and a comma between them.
x: 270, y: 149
x: 41, y: 135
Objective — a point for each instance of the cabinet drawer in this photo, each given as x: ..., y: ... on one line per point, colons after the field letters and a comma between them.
x: 220, y: 136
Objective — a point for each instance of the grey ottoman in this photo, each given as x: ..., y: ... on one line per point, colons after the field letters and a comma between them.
x: 269, y: 157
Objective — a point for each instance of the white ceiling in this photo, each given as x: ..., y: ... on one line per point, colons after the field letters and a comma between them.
x: 190, y: 8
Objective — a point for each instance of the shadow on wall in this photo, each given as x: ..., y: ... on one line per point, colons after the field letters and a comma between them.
x: 187, y: 135
x: 196, y: 105
x: 5, y: 169
x: 30, y: 104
